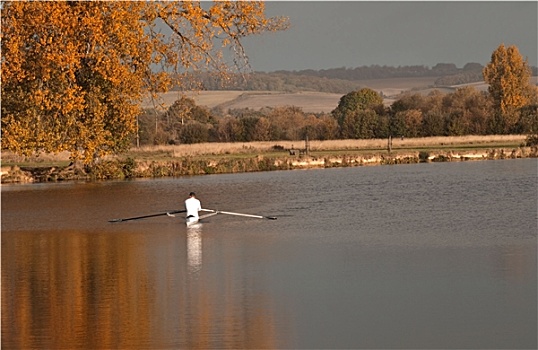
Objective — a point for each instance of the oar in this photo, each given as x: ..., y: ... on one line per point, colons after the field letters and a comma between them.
x: 207, y: 215
x: 240, y: 214
x: 148, y: 216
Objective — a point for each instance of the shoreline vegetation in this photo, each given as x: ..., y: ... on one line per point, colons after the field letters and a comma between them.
x: 223, y: 158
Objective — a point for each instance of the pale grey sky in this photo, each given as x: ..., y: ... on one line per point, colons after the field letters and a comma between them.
x: 333, y: 34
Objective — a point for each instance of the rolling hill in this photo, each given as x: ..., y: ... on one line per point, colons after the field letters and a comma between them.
x: 309, y: 101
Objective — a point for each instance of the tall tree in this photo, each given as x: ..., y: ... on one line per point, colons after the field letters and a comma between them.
x: 360, y: 100
x: 180, y: 113
x: 359, y: 124
x: 509, y: 86
x: 433, y: 121
x: 73, y: 72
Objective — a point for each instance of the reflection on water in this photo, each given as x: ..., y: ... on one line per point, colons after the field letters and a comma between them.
x: 194, y: 248
x: 69, y: 290
x: 66, y: 283
x: 421, y: 256
x: 514, y: 263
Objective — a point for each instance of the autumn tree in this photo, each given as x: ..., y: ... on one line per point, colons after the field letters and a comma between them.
x: 469, y: 111
x: 73, y: 72
x: 413, y: 122
x: 179, y: 114
x: 262, y: 130
x: 185, y: 109
x: 509, y: 87
x: 350, y: 110
x: 433, y: 122
x: 326, y: 128
x: 288, y: 123
x: 362, y: 99
x: 409, y: 101
x: 359, y: 124
x: 228, y: 129
x: 194, y: 132
x: 320, y: 127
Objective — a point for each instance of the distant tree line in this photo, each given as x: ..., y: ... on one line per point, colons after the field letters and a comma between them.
x: 260, y: 81
x: 235, y: 125
x: 383, y: 72
x: 359, y: 115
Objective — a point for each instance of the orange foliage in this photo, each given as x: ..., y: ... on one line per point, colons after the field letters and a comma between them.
x: 73, y: 73
x: 508, y: 75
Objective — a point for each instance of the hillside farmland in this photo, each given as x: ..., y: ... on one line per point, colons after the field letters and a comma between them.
x: 309, y: 101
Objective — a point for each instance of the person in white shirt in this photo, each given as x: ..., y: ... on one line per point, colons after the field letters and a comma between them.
x: 193, y: 206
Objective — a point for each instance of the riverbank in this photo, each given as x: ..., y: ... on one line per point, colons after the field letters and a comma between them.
x: 185, y: 160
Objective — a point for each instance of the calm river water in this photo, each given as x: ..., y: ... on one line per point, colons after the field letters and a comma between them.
x: 430, y: 256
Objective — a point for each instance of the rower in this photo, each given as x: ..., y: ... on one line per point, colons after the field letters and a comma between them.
x: 193, y: 206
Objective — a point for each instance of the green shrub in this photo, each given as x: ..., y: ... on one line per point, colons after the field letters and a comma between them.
x: 423, y: 156
x: 532, y: 140
x: 128, y: 168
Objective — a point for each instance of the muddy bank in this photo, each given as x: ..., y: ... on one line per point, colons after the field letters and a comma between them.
x: 181, y: 166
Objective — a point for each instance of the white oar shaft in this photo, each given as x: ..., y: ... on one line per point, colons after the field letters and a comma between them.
x: 207, y: 216
x: 238, y: 214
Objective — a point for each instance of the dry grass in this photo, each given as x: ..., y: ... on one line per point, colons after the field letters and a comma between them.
x: 249, y: 148
x: 42, y: 159
x: 330, y: 145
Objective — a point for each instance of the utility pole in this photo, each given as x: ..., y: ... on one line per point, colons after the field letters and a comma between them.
x: 137, y: 132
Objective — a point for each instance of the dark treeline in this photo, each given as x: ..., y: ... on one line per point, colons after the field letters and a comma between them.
x: 384, y: 72
x: 471, y: 72
x: 341, y: 80
x: 259, y: 81
x: 359, y: 115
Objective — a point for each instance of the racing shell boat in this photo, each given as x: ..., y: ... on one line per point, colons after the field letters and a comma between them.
x: 192, y: 220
